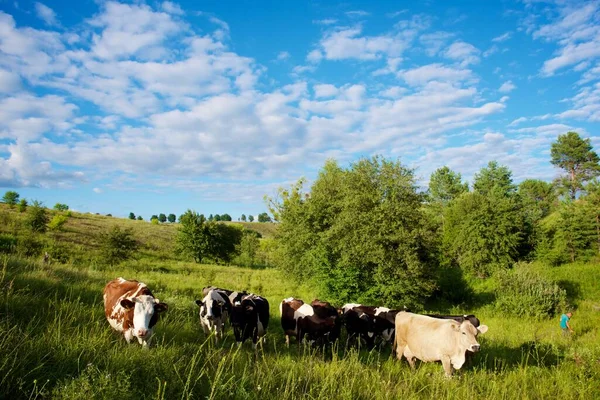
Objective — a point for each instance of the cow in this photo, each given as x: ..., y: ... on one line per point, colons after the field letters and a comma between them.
x: 458, y: 318
x: 369, y: 323
x: 250, y: 318
x: 433, y: 339
x: 287, y: 310
x: 215, y: 309
x: 131, y: 308
x: 232, y: 294
x: 325, y: 310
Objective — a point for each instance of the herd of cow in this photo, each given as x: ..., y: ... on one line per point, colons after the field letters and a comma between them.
x: 131, y: 309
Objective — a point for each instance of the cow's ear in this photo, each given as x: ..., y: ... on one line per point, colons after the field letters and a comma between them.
x: 482, y: 329
x: 161, y: 307
x: 249, y: 308
x: 199, y: 303
x: 127, y: 304
x: 455, y: 327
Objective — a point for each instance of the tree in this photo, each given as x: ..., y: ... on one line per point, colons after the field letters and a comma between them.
x: 210, y: 217
x: 574, y: 155
x: 217, y: 217
x: 243, y: 217
x: 162, y: 218
x: 140, y: 218
x: 445, y: 185
x: 226, y: 217
x: 11, y: 198
x: 251, y: 218
x: 360, y: 234
x: 131, y: 215
x: 592, y: 200
x: 117, y: 245
x: 154, y: 217
x: 172, y: 218
x: 22, y: 205
x: 539, y: 198
x: 37, y: 217
x: 61, y: 207
x: 494, y: 179
x: 264, y: 217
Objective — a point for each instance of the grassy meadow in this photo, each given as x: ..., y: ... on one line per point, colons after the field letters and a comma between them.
x: 55, y: 342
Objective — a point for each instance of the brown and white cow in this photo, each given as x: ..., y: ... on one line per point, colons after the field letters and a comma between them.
x: 431, y: 339
x: 131, y: 308
x: 319, y: 321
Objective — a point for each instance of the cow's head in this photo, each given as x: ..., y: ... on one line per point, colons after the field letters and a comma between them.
x: 211, y: 306
x: 468, y: 335
x: 145, y: 313
x: 241, y: 314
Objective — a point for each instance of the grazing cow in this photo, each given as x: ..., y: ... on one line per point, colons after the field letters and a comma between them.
x: 433, y: 339
x: 458, y: 318
x: 215, y: 309
x: 369, y: 323
x: 287, y: 310
x: 131, y: 308
x: 325, y: 310
x: 250, y: 318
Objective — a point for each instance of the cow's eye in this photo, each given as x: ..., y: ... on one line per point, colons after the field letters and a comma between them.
x: 464, y: 333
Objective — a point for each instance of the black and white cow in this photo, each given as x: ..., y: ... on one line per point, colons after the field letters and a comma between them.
x: 233, y: 295
x: 458, y: 318
x: 319, y: 322
x: 369, y: 323
x: 250, y: 318
x: 215, y: 309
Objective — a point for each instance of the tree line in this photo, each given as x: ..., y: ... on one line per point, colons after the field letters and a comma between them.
x: 368, y: 233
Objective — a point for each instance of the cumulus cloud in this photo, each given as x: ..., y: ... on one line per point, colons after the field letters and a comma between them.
x: 507, y: 87
x: 502, y: 38
x: 283, y: 55
x: 46, y: 14
x: 463, y: 52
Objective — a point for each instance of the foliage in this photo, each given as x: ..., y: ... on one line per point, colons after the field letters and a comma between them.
x: 574, y: 155
x: 225, y: 217
x: 8, y: 243
x: 140, y: 218
x: 57, y: 222
x: 11, y: 198
x: 22, y: 206
x: 61, y: 207
x: 247, y: 249
x: 445, y: 185
x: 483, y: 233
x: 264, y: 217
x: 251, y: 218
x: 172, y: 218
x: 117, y: 245
x: 162, y: 218
x: 359, y: 235
x: 58, y: 252
x: 494, y: 179
x: 524, y: 293
x: 131, y: 215
x: 243, y: 218
x: 154, y: 217
x: 154, y: 221
x: 198, y: 238
x: 569, y: 234
x: 29, y: 245
x: 37, y: 217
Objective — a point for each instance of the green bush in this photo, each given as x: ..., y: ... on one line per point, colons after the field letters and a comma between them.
x: 117, y: 245
x: 58, y: 252
x: 37, y: 218
x: 8, y: 243
x: 22, y: 207
x: 29, y: 245
x: 247, y: 249
x: 523, y: 292
x: 57, y: 222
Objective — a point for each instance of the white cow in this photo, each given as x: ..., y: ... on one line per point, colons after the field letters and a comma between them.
x: 432, y: 339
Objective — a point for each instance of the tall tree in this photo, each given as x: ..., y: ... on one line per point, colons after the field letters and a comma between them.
x: 574, y: 155
x: 162, y: 218
x: 11, y: 198
x: 264, y: 217
x: 445, y: 185
x: 131, y: 215
x: 243, y: 218
x: 251, y: 218
x: 172, y: 218
x: 225, y: 217
x: 494, y: 179
x: 61, y: 207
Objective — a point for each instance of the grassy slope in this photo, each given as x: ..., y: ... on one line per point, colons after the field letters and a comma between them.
x: 55, y: 342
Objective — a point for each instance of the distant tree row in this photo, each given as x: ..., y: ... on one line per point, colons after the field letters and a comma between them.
x: 367, y: 232
x: 262, y: 217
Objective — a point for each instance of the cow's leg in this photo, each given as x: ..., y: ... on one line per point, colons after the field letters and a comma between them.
x: 447, y: 363
x: 410, y: 357
x: 128, y: 334
x: 205, y: 328
x: 287, y: 340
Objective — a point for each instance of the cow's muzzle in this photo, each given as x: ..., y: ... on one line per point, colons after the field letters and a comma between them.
x: 141, y: 333
x: 475, y: 348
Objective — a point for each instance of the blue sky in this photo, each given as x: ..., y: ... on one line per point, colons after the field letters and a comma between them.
x: 157, y: 107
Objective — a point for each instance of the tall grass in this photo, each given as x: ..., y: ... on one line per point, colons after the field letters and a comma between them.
x: 56, y: 343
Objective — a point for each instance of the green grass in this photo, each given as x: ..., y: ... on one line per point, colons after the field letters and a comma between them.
x: 56, y: 343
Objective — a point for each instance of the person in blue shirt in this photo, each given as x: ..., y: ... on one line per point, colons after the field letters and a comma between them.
x: 565, y: 325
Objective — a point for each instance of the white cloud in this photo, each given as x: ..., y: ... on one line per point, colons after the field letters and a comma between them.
x: 328, y: 21
x: 283, y: 55
x: 172, y: 8
x: 9, y: 81
x: 46, y: 14
x: 434, y: 72
x: 357, y: 14
x: 463, y: 52
x: 97, y: 190
x: 507, y: 87
x: 325, y: 90
x: 502, y: 38
x: 433, y: 42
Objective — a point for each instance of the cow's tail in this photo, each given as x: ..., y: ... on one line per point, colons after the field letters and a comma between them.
x: 394, y: 345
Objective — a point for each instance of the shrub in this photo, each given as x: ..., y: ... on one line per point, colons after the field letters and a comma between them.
x: 523, y: 292
x: 61, y: 207
x: 154, y: 221
x: 58, y: 252
x: 29, y: 245
x: 37, y: 218
x: 8, y: 243
x: 22, y: 207
x: 247, y: 249
x: 57, y: 222
x: 117, y: 245
x: 11, y: 197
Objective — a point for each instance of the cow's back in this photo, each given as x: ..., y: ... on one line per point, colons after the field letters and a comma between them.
x: 287, y: 309
x: 119, y: 289
x: 427, y: 337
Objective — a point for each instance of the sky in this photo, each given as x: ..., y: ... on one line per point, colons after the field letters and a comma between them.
x: 159, y: 107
